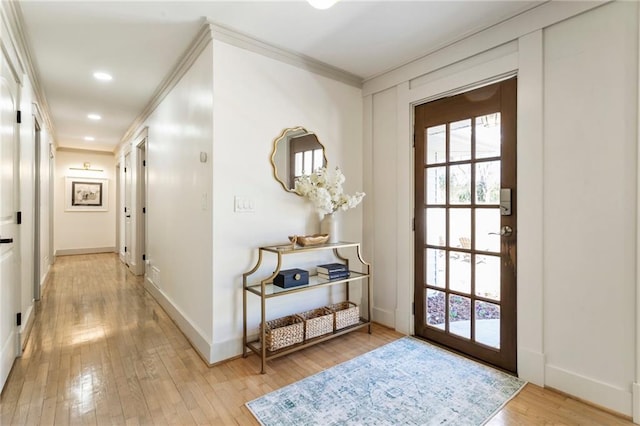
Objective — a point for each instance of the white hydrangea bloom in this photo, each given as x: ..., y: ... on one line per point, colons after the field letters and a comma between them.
x: 324, y: 189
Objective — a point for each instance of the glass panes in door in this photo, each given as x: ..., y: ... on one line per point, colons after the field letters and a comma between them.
x: 462, y: 270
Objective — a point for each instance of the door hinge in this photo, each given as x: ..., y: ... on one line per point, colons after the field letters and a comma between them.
x: 413, y: 224
x: 413, y: 308
x: 125, y: 249
x: 144, y: 163
x: 414, y: 140
x: 125, y: 209
x: 19, y: 117
x: 144, y: 257
x: 19, y: 218
x: 144, y: 210
x: 19, y: 319
x: 125, y: 170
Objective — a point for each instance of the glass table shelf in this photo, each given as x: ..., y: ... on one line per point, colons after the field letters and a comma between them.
x: 272, y: 290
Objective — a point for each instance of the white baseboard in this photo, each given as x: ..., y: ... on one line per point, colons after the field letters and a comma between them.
x: 191, y: 332
x: 137, y: 268
x: 404, y: 322
x: 232, y: 348
x: 92, y: 250
x: 26, y: 327
x: 384, y: 317
x: 636, y: 402
x: 599, y: 393
x: 8, y: 352
x: 43, y: 279
x: 531, y: 366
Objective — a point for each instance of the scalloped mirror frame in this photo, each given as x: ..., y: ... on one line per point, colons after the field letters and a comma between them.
x: 279, y: 154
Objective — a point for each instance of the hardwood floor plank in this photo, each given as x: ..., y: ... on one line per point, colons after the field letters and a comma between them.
x: 62, y: 413
x: 102, y: 351
x: 48, y: 414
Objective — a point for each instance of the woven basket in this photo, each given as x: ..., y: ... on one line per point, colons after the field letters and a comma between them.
x: 317, y: 322
x: 283, y: 332
x: 345, y: 314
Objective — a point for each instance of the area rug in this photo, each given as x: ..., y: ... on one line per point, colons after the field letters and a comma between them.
x: 406, y: 382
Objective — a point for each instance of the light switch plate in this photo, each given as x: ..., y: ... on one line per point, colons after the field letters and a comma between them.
x: 243, y: 205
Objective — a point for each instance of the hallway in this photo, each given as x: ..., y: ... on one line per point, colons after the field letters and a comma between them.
x: 102, y: 351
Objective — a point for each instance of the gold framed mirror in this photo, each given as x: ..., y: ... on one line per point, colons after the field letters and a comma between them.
x: 296, y: 151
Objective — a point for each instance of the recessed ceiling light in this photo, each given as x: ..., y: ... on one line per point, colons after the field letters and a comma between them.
x: 94, y: 117
x: 102, y: 76
x: 89, y: 138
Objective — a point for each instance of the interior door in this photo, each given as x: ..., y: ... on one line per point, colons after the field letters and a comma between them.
x: 119, y: 213
x: 465, y: 237
x: 37, y: 260
x: 9, y: 252
x: 127, y: 208
x: 141, y: 222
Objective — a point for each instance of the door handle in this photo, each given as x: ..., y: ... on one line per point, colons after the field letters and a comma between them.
x: 6, y: 240
x: 505, y: 231
x: 128, y: 215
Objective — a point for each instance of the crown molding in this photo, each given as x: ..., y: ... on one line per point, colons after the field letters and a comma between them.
x: 290, y: 57
x: 9, y: 49
x: 210, y: 31
x: 28, y: 62
x: 184, y: 63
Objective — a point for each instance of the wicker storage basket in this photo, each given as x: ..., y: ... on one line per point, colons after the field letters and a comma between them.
x: 345, y: 314
x: 283, y: 332
x: 317, y: 322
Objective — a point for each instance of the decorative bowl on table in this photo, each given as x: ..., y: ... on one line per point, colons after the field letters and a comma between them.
x: 309, y: 240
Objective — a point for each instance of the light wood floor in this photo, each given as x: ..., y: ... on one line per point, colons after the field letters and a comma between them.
x: 102, y: 351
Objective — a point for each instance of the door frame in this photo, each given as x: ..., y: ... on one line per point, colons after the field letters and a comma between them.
x: 140, y: 204
x: 52, y: 178
x: 521, y: 57
x: 119, y: 216
x: 504, y: 93
x: 408, y: 98
x: 37, y: 211
x: 127, y: 207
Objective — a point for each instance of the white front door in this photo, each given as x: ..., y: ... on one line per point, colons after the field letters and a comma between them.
x: 127, y: 209
x: 9, y: 251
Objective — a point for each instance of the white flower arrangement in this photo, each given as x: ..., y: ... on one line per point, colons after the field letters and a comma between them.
x: 324, y: 188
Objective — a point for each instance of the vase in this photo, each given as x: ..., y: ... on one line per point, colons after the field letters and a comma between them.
x: 329, y: 225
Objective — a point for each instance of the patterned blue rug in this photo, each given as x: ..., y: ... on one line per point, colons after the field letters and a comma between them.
x: 406, y: 382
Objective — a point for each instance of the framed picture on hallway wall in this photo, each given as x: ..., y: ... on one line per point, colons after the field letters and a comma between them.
x: 86, y: 194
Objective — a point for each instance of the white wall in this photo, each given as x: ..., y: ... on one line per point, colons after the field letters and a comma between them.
x: 577, y: 122
x: 47, y: 168
x: 590, y: 193
x: 84, y: 231
x: 179, y: 199
x: 231, y: 104
x: 383, y: 190
x: 255, y: 97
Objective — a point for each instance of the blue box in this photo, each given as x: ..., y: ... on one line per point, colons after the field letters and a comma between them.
x: 289, y: 278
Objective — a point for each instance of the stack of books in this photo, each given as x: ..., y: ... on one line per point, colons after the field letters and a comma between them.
x: 333, y: 271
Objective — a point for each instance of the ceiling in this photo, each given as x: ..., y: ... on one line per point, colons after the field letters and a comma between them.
x: 139, y: 43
